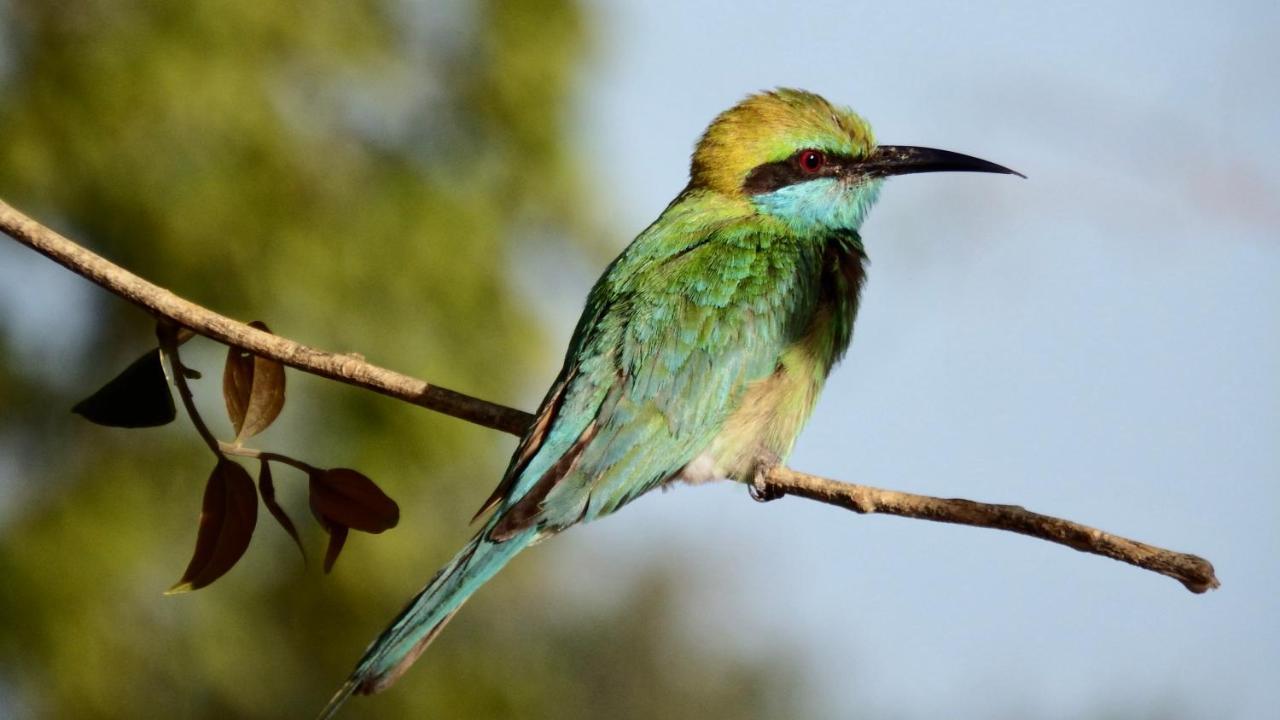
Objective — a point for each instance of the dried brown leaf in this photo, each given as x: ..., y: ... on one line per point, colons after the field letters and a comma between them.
x: 253, y: 389
x: 345, y: 497
x: 337, y: 538
x: 267, y: 488
x: 227, y: 517
x: 138, y: 397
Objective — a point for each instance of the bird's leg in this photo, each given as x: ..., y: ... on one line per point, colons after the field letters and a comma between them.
x: 759, y: 487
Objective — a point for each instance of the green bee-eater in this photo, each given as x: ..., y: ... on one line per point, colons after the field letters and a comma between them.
x: 702, y: 348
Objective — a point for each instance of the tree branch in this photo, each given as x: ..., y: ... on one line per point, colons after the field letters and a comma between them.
x: 350, y: 369
x: 1194, y: 572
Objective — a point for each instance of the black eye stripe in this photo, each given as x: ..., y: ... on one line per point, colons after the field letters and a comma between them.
x: 781, y: 173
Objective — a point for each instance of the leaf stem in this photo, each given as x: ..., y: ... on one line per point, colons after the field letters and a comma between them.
x: 168, y: 333
x: 246, y: 452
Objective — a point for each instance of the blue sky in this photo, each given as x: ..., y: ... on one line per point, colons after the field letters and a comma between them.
x: 1097, y: 342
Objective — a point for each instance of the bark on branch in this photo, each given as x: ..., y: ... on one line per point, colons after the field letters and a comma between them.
x: 1194, y: 572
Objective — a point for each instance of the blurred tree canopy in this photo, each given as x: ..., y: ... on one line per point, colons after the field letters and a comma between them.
x: 357, y: 174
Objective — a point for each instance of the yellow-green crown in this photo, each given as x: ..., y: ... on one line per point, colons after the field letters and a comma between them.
x: 771, y: 126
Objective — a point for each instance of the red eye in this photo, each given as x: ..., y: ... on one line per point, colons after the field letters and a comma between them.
x: 811, y: 161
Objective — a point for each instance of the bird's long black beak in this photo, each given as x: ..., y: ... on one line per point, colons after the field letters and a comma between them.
x: 889, y: 160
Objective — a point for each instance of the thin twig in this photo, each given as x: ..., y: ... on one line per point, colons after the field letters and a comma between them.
x: 247, y: 452
x: 1193, y: 572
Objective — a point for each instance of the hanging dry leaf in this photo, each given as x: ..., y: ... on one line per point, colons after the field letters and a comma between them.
x: 137, y: 397
x: 253, y: 389
x: 266, y: 486
x: 227, y: 517
x: 347, y: 498
x: 337, y: 538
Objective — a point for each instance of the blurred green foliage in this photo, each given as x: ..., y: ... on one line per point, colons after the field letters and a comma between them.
x: 357, y: 174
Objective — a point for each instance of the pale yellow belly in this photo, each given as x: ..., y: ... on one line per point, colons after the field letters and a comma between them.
x: 765, y: 425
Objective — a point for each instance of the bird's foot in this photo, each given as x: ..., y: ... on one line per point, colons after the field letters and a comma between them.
x: 760, y: 488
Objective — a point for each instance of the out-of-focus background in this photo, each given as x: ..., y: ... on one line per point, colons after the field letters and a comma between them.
x: 436, y: 185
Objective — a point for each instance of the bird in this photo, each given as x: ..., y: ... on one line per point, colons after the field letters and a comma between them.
x: 701, y: 350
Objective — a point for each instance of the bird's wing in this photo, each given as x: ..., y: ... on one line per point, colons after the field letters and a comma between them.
x: 671, y: 337
x: 548, y: 422
x: 570, y: 404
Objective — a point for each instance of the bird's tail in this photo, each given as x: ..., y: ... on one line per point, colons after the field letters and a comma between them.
x: 426, y: 614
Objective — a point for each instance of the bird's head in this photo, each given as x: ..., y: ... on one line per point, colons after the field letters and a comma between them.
x: 794, y: 156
